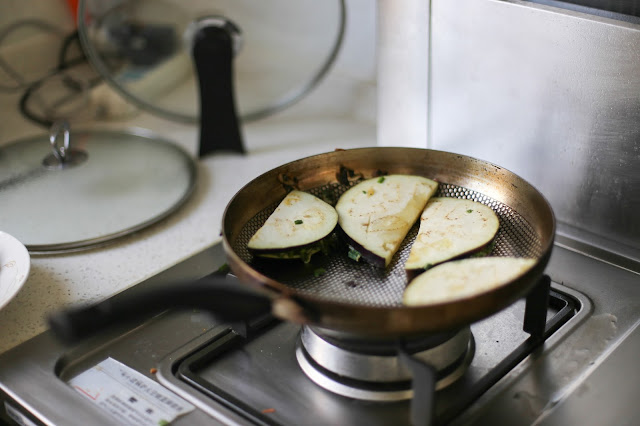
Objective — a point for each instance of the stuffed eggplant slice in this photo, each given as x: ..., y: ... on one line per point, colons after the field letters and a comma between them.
x: 376, y: 214
x: 300, y: 226
x: 450, y: 228
x: 459, y: 279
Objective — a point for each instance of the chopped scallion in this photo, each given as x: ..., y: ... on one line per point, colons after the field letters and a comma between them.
x: 354, y: 254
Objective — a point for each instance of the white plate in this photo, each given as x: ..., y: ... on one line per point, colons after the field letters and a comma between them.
x: 14, y: 267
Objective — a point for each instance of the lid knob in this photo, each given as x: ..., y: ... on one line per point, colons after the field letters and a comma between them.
x: 63, y: 155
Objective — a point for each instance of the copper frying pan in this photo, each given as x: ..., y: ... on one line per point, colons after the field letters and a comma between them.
x: 356, y: 298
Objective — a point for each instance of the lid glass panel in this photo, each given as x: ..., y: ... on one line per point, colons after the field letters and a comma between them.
x: 127, y: 182
x: 286, y: 48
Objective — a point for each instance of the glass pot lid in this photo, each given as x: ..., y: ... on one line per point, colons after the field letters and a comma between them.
x: 143, y: 48
x: 84, y: 188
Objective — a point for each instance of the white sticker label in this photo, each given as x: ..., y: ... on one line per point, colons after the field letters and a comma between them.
x: 129, y: 396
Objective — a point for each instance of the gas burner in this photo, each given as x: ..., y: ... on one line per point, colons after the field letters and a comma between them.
x: 374, y: 370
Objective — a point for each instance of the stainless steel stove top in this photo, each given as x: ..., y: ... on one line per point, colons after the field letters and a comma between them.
x: 232, y: 380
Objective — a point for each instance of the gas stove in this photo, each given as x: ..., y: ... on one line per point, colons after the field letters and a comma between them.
x: 581, y: 332
x: 286, y: 373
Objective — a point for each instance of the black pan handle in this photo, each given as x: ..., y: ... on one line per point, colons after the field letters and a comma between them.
x: 226, y: 300
x: 213, y: 51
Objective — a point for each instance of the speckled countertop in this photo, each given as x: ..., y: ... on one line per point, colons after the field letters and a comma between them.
x: 61, y: 280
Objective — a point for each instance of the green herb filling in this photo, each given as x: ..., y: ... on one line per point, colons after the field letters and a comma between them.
x: 318, y: 272
x: 304, y: 253
x: 485, y: 251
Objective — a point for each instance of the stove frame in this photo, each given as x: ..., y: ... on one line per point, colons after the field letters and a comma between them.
x: 598, y: 342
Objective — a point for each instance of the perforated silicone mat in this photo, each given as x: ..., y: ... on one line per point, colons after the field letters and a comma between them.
x: 336, y: 277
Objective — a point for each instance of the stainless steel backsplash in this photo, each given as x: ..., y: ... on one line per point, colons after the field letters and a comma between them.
x: 551, y: 94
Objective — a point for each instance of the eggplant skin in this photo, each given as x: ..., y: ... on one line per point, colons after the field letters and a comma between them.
x: 299, y: 220
x: 357, y: 251
x: 460, y: 279
x: 451, y: 228
x: 483, y: 251
x: 376, y: 214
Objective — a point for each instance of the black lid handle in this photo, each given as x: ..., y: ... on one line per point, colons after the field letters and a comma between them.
x: 215, y: 40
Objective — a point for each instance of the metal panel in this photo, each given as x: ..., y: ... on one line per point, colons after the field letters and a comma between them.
x: 618, y: 9
x: 551, y: 94
x: 595, y: 391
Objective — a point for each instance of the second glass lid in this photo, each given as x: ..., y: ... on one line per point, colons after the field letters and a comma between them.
x: 107, y: 185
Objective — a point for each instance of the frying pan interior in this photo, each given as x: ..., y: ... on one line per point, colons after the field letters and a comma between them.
x: 339, y: 293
